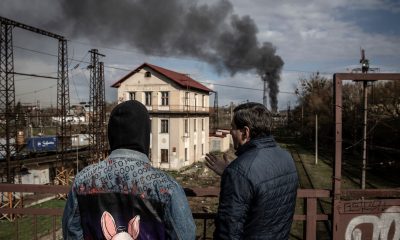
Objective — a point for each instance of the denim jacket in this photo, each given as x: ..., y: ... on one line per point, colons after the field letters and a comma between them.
x: 125, y: 195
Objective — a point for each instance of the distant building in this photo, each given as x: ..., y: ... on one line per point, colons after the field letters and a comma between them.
x: 179, y: 112
x: 71, y: 119
x: 220, y: 141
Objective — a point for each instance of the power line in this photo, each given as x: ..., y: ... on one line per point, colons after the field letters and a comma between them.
x: 74, y: 84
x: 87, y: 81
x: 192, y: 59
x: 46, y: 53
x: 33, y: 75
x: 240, y: 87
x: 128, y: 70
x: 72, y: 59
x: 36, y: 91
x: 73, y: 79
x: 28, y: 78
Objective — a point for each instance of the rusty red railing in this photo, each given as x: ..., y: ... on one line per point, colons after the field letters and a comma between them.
x: 310, y: 216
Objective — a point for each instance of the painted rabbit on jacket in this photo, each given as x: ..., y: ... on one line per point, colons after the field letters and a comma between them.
x: 110, y: 229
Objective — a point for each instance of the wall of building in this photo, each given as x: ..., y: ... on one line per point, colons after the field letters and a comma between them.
x: 176, y: 141
x: 220, y: 141
x: 38, y: 175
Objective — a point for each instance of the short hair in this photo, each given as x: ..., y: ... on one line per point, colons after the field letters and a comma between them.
x: 255, y: 116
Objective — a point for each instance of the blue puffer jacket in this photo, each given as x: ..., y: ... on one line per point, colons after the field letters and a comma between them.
x: 258, y: 193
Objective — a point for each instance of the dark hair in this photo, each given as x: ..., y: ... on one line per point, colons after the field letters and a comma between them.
x: 255, y: 116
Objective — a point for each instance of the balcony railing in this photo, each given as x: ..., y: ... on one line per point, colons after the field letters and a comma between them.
x: 178, y: 109
x: 309, y: 215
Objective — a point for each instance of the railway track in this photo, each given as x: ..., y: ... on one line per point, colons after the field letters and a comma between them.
x: 304, y: 177
x: 377, y: 178
x: 352, y: 172
x: 305, y: 181
x: 70, y: 156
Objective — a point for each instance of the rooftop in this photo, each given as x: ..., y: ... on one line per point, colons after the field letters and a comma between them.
x: 181, y: 79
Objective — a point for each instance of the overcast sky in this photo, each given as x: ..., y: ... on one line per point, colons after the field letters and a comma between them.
x: 185, y: 36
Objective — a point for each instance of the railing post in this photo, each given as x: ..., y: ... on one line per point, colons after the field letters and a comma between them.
x: 54, y: 227
x: 35, y: 227
x: 311, y: 219
x: 205, y: 228
x: 17, y: 228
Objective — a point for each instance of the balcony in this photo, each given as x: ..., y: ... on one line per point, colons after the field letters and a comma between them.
x: 178, y: 109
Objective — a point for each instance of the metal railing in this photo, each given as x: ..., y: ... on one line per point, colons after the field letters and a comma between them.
x: 178, y: 108
x: 310, y: 215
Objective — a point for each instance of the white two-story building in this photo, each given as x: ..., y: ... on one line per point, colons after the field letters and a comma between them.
x: 179, y: 112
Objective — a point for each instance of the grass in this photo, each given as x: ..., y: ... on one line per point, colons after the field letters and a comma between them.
x: 24, y: 227
x: 321, y: 178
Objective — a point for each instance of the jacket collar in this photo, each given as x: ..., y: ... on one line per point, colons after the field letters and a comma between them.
x: 128, y: 153
x: 262, y: 142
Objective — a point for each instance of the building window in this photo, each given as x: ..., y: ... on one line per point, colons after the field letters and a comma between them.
x: 186, y: 99
x: 186, y: 126
x: 202, y: 149
x: 186, y: 154
x: 164, y: 99
x: 202, y: 100
x: 194, y: 125
x: 195, y: 101
x: 202, y: 124
x: 164, y: 155
x: 147, y: 74
x: 132, y: 96
x: 164, y: 126
x: 148, y: 98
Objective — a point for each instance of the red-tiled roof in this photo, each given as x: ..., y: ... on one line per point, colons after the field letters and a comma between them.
x: 181, y: 79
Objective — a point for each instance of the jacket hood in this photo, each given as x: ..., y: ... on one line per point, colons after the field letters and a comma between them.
x: 129, y: 127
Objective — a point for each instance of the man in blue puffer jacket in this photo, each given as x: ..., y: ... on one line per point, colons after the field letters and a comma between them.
x: 258, y: 188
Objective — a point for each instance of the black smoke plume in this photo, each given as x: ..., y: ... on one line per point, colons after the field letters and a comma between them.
x: 211, y: 33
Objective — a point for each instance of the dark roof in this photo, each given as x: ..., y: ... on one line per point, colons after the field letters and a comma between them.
x: 181, y: 79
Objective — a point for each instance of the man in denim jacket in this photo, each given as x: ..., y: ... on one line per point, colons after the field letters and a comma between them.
x: 123, y: 196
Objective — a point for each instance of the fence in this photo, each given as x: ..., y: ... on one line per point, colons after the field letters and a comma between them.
x: 310, y: 216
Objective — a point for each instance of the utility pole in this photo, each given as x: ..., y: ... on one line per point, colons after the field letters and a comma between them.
x: 216, y: 112
x: 63, y: 96
x: 7, y: 98
x: 316, y: 138
x: 231, y: 106
x: 364, y: 155
x: 7, y: 94
x: 364, y: 69
x: 97, y: 105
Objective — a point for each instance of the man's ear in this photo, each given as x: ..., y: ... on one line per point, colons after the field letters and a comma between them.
x: 246, y: 133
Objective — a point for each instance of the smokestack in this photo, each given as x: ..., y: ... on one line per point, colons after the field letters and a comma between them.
x: 211, y: 33
x: 265, y: 99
